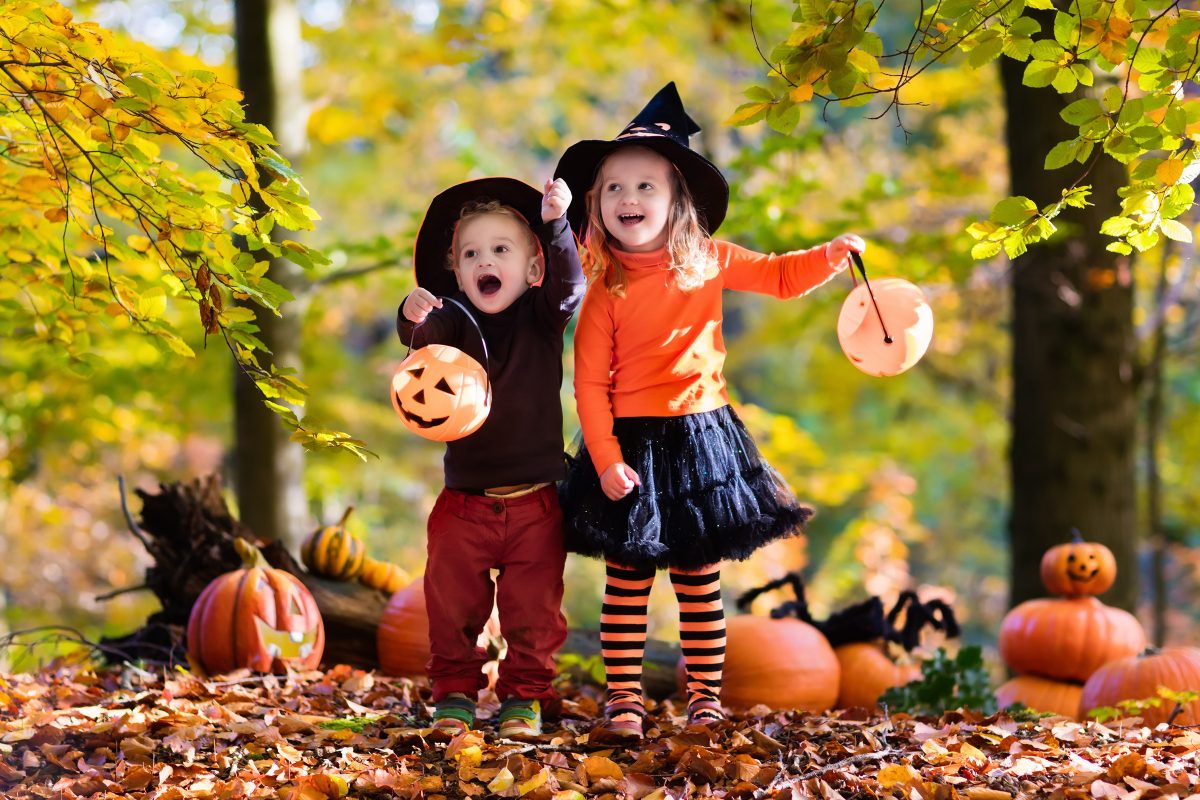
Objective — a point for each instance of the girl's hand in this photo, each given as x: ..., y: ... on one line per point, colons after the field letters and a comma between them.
x: 556, y: 200
x: 837, y: 252
x: 419, y: 304
x: 619, y: 480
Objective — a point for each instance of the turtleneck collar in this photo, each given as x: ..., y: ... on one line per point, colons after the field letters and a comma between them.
x: 654, y: 259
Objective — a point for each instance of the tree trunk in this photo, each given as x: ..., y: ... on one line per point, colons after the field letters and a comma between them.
x: 1074, y: 404
x: 268, y: 467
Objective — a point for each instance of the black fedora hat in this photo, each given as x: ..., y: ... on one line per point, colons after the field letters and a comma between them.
x: 662, y: 126
x: 436, y: 233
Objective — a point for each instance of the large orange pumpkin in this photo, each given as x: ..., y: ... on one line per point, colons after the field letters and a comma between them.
x: 441, y: 393
x: 1068, y: 638
x: 402, y: 639
x: 906, y: 316
x: 257, y: 617
x: 1041, y: 694
x: 1078, y: 568
x: 783, y: 663
x: 1138, y: 678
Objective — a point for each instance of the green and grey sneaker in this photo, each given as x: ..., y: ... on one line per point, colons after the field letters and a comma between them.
x: 520, y: 718
x: 454, y: 713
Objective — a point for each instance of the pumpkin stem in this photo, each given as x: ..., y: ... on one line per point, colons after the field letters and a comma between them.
x: 1076, y: 536
x: 346, y: 516
x: 251, y: 556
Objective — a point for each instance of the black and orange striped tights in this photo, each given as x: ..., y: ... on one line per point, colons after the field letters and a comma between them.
x: 623, y: 634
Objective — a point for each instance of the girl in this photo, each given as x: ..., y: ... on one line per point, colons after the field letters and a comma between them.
x: 668, y: 476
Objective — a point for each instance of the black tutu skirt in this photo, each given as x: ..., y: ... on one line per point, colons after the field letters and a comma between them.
x: 707, y: 495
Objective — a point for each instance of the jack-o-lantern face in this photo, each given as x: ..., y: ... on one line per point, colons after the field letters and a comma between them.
x: 441, y: 393
x: 1078, y: 569
x: 255, y: 618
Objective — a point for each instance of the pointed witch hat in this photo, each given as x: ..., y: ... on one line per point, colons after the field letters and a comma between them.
x: 664, y: 127
x: 436, y: 234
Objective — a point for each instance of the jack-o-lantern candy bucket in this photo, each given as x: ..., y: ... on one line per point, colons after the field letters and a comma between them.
x: 440, y: 392
x: 885, y: 327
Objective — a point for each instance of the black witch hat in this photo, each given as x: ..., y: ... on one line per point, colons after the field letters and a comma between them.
x: 662, y: 126
x: 436, y: 233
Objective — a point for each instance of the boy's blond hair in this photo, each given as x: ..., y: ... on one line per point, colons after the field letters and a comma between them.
x: 690, y: 252
x: 482, y: 208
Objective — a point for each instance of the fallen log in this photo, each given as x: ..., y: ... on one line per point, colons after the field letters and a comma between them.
x: 188, y: 530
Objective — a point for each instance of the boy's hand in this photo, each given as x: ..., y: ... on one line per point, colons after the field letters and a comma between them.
x: 419, y: 304
x: 837, y: 252
x: 556, y: 200
x: 619, y: 480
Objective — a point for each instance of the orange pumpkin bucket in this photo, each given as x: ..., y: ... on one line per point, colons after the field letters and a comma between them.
x: 884, y: 329
x: 440, y: 392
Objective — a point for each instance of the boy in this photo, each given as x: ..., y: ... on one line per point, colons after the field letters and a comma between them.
x: 499, y: 508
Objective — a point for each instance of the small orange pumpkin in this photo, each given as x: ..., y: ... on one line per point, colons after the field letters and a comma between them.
x: 334, y: 552
x: 1041, y: 694
x: 257, y: 617
x: 1138, y: 678
x: 1078, y: 568
x: 385, y: 576
x: 441, y: 393
x: 783, y: 663
x: 1067, y: 638
x: 868, y: 671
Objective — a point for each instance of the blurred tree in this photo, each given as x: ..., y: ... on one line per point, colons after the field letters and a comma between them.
x: 268, y: 465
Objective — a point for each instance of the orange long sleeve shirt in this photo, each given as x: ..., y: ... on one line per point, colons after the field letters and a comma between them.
x: 658, y: 351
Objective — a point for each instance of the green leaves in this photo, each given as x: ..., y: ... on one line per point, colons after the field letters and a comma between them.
x: 946, y: 683
x: 102, y: 226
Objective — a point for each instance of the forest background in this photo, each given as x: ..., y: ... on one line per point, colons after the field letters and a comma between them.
x: 401, y: 99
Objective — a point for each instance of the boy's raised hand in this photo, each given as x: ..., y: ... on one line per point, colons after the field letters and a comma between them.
x: 618, y: 480
x: 419, y: 304
x: 556, y: 200
x: 837, y: 252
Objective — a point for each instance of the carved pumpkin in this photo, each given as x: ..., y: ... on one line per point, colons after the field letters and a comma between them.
x: 1041, y: 694
x: 1138, y: 678
x: 385, y: 576
x: 1068, y: 638
x: 1079, y: 568
x: 867, y: 671
x: 402, y: 639
x: 906, y: 315
x: 257, y: 617
x: 334, y: 552
x: 441, y: 393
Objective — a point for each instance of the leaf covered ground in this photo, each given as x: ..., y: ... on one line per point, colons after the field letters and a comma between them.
x: 127, y: 733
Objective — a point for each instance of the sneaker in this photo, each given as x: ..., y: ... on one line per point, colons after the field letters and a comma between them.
x: 520, y: 718
x: 454, y: 714
x: 702, y: 712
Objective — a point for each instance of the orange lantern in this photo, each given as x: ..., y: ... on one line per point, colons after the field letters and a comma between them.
x: 257, y: 617
x: 1078, y: 568
x: 441, y: 393
x: 884, y: 328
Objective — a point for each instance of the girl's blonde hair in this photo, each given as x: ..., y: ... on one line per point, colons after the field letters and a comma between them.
x: 691, y: 256
x: 481, y: 208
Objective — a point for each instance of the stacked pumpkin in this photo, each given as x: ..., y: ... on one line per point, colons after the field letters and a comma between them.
x: 334, y: 552
x: 1056, y: 644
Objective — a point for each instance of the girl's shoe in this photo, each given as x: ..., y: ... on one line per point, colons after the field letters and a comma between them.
x: 454, y: 714
x: 520, y: 719
x: 702, y: 712
x: 624, y: 720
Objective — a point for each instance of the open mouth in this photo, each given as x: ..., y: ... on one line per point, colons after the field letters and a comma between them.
x: 630, y: 219
x: 488, y: 285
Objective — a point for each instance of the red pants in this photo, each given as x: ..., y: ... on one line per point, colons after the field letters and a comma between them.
x: 523, y: 538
